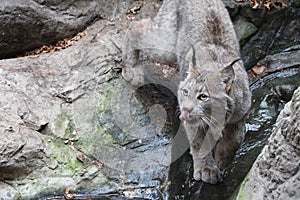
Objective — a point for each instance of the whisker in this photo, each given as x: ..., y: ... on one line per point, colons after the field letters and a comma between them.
x: 211, y: 122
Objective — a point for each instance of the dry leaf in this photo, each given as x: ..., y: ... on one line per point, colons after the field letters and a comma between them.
x: 67, y: 190
x: 98, y: 164
x: 267, y: 5
x: 80, y: 157
x: 62, y: 44
x: 67, y: 195
x: 130, y: 14
x: 136, y: 8
x: 256, y: 5
x: 258, y: 71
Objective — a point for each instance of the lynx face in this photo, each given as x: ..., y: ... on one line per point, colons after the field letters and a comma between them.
x: 195, y: 101
x: 203, y: 97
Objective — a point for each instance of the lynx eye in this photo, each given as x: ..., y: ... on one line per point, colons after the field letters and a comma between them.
x: 203, y: 97
x: 185, y: 92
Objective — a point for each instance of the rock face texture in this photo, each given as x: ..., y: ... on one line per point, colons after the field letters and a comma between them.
x: 69, y: 120
x: 29, y: 24
x: 275, y: 174
x: 263, y: 32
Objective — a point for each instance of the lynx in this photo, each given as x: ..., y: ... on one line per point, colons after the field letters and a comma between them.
x: 214, y: 94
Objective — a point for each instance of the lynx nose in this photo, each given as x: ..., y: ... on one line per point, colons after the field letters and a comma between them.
x: 185, y: 114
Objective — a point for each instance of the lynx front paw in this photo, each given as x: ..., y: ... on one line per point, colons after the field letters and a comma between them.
x: 207, y: 174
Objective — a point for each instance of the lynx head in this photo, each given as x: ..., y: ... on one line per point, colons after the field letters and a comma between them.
x: 203, y: 96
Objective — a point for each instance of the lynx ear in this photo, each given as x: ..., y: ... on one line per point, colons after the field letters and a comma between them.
x: 192, y: 65
x: 228, y: 75
x: 192, y: 68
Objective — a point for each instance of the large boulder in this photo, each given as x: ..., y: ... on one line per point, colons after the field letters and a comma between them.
x: 275, y: 174
x: 29, y: 24
x: 69, y: 120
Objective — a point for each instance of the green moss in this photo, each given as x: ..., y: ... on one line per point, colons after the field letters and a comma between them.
x: 73, y: 165
x: 18, y: 197
x: 241, y: 192
x: 61, y: 121
x: 70, y: 129
x: 65, y: 156
x: 64, y: 126
x: 100, y: 140
x: 104, y: 101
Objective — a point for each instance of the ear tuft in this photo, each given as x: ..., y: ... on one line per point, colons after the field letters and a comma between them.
x: 192, y: 64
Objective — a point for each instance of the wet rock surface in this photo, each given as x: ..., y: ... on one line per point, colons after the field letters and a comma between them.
x: 69, y: 120
x: 265, y: 32
x: 275, y: 173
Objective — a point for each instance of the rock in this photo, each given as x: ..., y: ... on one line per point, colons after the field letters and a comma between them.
x: 276, y: 31
x: 29, y: 24
x: 21, y: 151
x: 68, y: 112
x: 21, y: 145
x: 285, y: 63
x: 244, y: 30
x: 270, y: 30
x: 7, y: 191
x: 275, y: 173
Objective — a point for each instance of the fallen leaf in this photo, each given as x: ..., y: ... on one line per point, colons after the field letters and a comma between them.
x: 72, y: 147
x: 256, y: 5
x: 136, y: 8
x: 267, y: 5
x: 259, y: 69
x: 69, y: 196
x: 130, y: 14
x: 67, y: 190
x: 98, y: 164
x: 80, y: 157
x: 62, y: 44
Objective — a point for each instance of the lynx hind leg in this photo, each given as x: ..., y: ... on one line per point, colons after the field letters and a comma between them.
x: 233, y: 136
x: 135, y: 76
x: 133, y: 71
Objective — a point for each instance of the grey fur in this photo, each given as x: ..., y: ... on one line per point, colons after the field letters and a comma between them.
x: 199, y: 36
